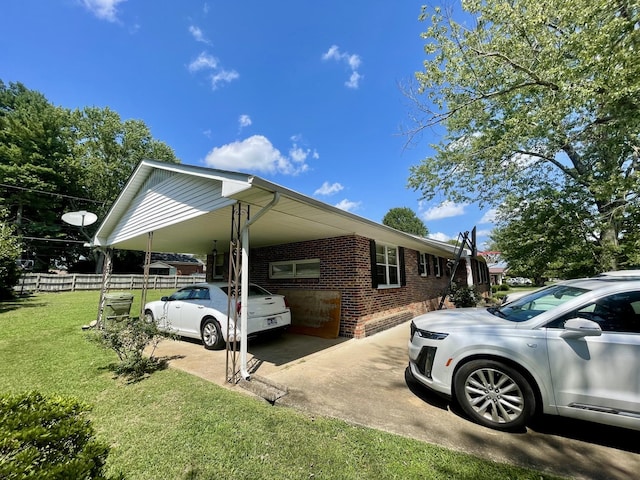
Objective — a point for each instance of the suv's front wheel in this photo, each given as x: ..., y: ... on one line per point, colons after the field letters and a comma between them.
x: 494, y: 394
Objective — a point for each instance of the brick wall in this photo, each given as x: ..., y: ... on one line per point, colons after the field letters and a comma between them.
x: 345, y: 265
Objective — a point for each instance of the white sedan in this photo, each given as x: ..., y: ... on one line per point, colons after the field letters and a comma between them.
x: 200, y: 311
x: 571, y: 349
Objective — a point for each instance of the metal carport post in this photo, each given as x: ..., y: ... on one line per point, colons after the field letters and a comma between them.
x: 244, y: 288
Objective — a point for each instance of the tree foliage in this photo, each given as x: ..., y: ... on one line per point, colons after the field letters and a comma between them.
x: 405, y: 220
x: 106, y: 150
x: 54, y: 160
x: 34, y: 158
x: 549, y: 236
x: 536, y: 95
x: 9, y: 252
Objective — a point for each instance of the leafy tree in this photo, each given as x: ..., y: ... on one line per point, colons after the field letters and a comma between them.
x: 405, y: 220
x: 548, y: 236
x: 535, y: 96
x: 34, y: 158
x: 9, y: 253
x: 53, y: 160
x: 106, y: 150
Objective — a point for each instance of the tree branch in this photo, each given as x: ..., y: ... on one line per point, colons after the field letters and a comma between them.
x: 517, y: 66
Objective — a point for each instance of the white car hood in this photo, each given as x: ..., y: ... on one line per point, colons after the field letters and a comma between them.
x: 463, y: 318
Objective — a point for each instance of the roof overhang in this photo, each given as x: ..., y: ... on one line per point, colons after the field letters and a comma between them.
x: 188, y: 207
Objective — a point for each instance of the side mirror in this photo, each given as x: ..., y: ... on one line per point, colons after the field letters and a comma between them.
x: 164, y: 299
x: 581, y: 327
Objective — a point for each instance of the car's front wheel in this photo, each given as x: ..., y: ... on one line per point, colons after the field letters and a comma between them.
x: 494, y: 394
x: 212, y: 335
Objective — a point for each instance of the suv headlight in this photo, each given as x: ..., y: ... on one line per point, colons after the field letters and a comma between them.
x: 427, y: 333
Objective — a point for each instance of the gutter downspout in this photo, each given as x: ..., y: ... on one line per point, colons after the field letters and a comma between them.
x: 244, y: 288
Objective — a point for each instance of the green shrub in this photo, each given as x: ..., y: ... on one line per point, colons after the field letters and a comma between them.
x: 464, y: 296
x: 504, y: 287
x: 48, y: 438
x: 129, y: 338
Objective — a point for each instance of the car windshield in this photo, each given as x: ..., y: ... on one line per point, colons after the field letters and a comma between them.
x: 538, y: 302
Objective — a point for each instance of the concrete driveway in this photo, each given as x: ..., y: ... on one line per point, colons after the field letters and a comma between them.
x: 365, y: 382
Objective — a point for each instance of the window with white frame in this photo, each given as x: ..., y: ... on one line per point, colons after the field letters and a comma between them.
x: 387, y: 266
x: 295, y: 269
x: 424, y: 265
x: 437, y: 266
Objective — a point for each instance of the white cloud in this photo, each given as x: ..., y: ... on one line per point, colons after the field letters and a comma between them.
x: 353, y: 81
x: 197, y: 34
x: 329, y: 189
x: 103, y: 9
x: 348, y: 205
x: 483, y: 233
x: 203, y: 62
x: 226, y: 76
x: 255, y: 153
x: 446, y: 209
x: 489, y: 216
x: 351, y: 60
x: 442, y: 237
x: 244, y: 121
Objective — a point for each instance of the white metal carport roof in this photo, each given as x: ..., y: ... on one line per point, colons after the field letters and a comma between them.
x: 188, y: 207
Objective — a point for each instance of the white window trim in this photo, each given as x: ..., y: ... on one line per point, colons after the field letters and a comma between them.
x: 294, y: 270
x: 388, y: 266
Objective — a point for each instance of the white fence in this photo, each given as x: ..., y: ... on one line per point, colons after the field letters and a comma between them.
x: 47, y: 282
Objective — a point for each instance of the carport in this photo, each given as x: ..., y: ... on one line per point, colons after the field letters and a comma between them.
x: 173, y: 208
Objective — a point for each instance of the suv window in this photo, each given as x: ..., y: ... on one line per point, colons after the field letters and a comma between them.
x: 538, y: 302
x: 619, y: 312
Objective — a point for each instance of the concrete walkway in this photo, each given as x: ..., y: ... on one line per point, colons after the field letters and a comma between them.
x: 365, y: 382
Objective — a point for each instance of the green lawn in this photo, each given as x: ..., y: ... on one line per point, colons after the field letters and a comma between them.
x: 176, y: 426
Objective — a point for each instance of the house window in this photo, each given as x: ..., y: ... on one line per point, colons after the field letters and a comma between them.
x: 295, y: 269
x: 437, y: 266
x: 424, y: 264
x: 387, y: 266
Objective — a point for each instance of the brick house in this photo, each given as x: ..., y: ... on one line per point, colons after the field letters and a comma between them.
x: 343, y: 274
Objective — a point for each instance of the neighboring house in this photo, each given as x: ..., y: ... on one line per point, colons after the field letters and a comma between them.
x: 498, y: 272
x: 497, y: 268
x: 174, y: 264
x: 342, y: 274
x: 160, y: 268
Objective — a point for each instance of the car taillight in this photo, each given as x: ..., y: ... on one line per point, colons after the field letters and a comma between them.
x: 286, y: 303
x: 238, y: 307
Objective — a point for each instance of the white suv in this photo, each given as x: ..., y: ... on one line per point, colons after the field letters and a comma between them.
x: 571, y: 349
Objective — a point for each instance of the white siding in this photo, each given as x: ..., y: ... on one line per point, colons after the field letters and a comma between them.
x: 173, y: 200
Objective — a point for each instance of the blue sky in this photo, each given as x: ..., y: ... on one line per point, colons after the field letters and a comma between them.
x: 304, y: 94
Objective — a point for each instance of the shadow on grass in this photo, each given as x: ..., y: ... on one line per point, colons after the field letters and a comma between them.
x: 134, y: 372
x: 16, y: 303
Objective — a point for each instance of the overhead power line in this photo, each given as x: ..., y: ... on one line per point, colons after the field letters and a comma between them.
x: 50, y: 193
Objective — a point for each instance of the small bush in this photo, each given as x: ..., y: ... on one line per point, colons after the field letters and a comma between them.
x: 504, y: 287
x: 48, y: 438
x: 464, y: 296
x: 129, y: 338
